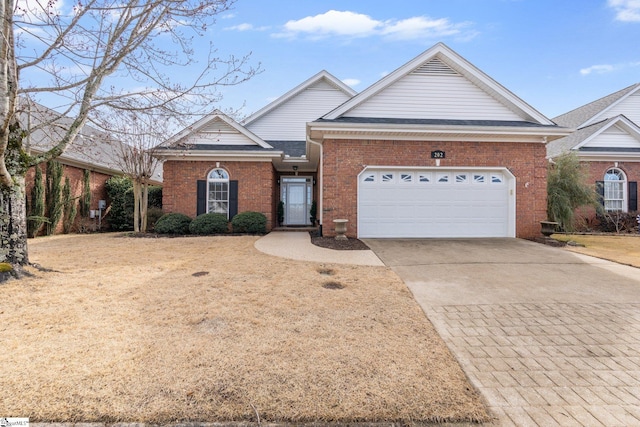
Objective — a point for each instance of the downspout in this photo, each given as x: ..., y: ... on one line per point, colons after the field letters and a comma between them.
x: 320, y: 181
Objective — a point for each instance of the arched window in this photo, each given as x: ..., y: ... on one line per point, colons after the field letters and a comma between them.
x: 615, y: 190
x: 218, y: 192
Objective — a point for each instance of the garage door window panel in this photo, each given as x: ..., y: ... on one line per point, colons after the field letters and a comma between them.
x: 387, y: 178
x: 424, y: 178
x: 461, y: 178
x: 443, y: 178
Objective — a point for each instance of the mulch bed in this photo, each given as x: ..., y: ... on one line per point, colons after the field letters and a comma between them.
x: 341, y: 245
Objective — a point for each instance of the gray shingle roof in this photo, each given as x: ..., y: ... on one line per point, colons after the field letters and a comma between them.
x: 290, y: 148
x: 579, y: 116
x: 563, y: 145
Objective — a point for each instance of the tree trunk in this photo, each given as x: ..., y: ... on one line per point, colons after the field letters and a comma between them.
x: 137, y: 198
x: 13, y: 226
x: 143, y: 206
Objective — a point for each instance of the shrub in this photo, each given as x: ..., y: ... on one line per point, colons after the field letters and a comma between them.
x: 120, y: 192
x: 567, y: 190
x: 618, y: 222
x: 249, y: 222
x: 173, y: 223
x: 209, y: 223
x: 155, y: 197
x: 153, y: 215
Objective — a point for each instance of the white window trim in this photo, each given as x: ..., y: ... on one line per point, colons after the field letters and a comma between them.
x: 218, y: 180
x: 623, y: 182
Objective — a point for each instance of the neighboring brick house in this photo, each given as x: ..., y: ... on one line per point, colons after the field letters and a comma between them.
x: 434, y: 149
x: 607, y: 140
x: 92, y: 151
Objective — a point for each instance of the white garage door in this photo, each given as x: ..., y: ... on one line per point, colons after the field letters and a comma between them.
x: 436, y: 202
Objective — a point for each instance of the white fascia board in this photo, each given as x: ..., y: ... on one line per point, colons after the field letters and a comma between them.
x: 602, y: 112
x: 457, y: 62
x: 297, y: 90
x: 208, y: 155
x: 404, y: 132
x: 595, y: 156
x: 194, y: 128
x: 630, y: 127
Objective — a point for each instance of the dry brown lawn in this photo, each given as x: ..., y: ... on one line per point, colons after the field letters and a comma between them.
x: 209, y: 329
x: 623, y: 249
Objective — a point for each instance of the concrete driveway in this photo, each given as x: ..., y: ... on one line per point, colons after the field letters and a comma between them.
x: 549, y: 337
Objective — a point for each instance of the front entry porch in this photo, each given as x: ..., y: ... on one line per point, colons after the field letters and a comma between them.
x: 296, y: 193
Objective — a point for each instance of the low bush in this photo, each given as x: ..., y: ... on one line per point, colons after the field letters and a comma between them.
x: 153, y: 215
x: 173, y: 223
x: 618, y: 222
x: 249, y: 222
x: 209, y: 223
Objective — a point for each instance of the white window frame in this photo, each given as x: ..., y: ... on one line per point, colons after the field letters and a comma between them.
x: 218, y: 184
x: 615, y: 191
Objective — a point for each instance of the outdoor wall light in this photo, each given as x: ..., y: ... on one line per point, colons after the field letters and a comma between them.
x: 295, y: 168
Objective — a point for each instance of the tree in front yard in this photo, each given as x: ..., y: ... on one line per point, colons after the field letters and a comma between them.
x: 567, y: 190
x: 87, y: 58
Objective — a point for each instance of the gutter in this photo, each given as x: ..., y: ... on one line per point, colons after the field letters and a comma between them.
x: 320, y: 180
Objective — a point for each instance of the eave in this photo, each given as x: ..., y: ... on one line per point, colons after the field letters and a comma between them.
x: 331, y: 130
x: 208, y: 155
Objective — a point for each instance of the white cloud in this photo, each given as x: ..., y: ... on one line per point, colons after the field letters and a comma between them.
x: 626, y: 10
x: 240, y: 27
x: 229, y: 16
x: 246, y: 27
x: 334, y: 22
x: 597, y: 69
x: 352, y: 24
x: 351, y: 82
x: 608, y: 68
x: 422, y: 27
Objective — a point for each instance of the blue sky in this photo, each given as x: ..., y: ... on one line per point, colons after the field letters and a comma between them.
x: 555, y: 54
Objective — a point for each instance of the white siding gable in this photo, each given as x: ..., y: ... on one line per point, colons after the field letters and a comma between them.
x: 433, y: 93
x: 629, y: 107
x: 613, y: 137
x: 217, y: 132
x: 288, y: 121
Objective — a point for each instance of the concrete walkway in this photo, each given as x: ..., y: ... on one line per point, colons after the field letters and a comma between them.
x: 550, y: 338
x: 297, y: 245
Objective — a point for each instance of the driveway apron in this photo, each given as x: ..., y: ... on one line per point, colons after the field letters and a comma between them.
x: 547, y: 336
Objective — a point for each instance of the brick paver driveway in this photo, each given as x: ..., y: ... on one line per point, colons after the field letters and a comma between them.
x: 547, y: 336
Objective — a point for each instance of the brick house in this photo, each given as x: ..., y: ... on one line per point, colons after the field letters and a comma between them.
x: 607, y: 141
x: 93, y: 151
x: 434, y: 149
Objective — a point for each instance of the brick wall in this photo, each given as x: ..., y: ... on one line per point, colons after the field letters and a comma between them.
x: 345, y: 159
x: 76, y: 180
x: 597, y: 170
x: 255, y: 185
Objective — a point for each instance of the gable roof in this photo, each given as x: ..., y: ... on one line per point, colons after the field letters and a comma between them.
x: 582, y: 116
x: 93, y: 149
x: 580, y: 139
x: 440, y: 59
x: 215, y: 125
x: 311, y: 81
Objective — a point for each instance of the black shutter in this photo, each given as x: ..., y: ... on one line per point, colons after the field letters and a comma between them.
x: 600, y: 191
x: 633, y: 196
x: 233, y: 199
x: 201, y: 206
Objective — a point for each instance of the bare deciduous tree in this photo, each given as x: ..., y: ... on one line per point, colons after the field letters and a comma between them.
x: 83, y: 59
x: 136, y: 134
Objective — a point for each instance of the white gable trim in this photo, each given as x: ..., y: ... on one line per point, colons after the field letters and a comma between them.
x: 602, y: 113
x: 457, y: 63
x: 621, y: 121
x: 205, y: 121
x: 332, y: 80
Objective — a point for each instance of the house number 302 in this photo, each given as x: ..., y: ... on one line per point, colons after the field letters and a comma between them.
x: 438, y: 154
